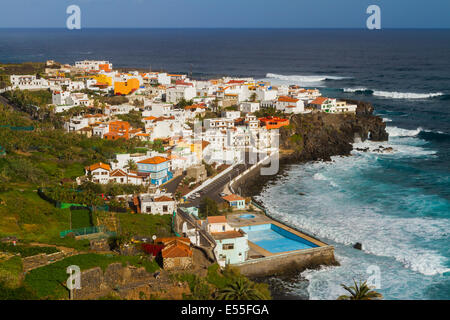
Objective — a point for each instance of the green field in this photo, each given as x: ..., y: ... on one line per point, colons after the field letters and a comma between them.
x: 49, y: 281
x: 145, y: 224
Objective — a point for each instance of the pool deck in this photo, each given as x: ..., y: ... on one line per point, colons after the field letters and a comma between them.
x: 256, y: 251
x: 262, y: 263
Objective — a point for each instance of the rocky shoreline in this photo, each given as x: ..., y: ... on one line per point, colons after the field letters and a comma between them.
x: 318, y: 137
x: 314, y: 137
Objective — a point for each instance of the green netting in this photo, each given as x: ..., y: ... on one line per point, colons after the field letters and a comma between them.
x: 87, y: 231
x: 30, y: 128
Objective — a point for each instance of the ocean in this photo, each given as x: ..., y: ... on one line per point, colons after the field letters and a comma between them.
x: 396, y: 204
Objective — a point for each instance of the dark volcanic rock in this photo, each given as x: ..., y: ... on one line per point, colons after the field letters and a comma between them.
x: 318, y: 136
x: 358, y: 246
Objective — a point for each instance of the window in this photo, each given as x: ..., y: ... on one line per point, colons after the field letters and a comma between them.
x: 165, y: 208
x: 148, y: 209
x: 228, y: 246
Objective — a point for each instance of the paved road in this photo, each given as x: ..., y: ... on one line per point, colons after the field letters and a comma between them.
x: 172, y: 185
x: 214, y: 189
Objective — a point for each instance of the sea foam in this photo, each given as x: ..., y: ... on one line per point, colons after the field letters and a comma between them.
x: 393, y: 94
x: 305, y: 80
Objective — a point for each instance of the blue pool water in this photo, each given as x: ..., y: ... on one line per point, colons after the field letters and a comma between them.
x: 275, y: 239
x: 246, y: 216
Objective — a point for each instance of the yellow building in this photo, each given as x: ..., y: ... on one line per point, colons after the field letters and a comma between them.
x: 102, y: 78
x: 125, y: 88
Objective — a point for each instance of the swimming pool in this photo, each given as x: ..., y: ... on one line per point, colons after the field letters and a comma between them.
x: 275, y: 239
x: 247, y: 216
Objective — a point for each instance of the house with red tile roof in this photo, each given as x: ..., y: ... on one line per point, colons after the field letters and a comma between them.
x: 290, y: 105
x: 159, y: 203
x: 99, y: 172
x: 176, y: 254
x: 157, y: 167
x: 323, y: 103
x: 235, y: 201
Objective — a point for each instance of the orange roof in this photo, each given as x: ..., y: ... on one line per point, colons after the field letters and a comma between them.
x: 167, y: 240
x: 204, y: 144
x: 118, y: 173
x: 217, y: 219
x: 163, y: 199
x: 226, y: 235
x: 232, y: 197
x: 176, y: 249
x: 154, y: 160
x: 287, y: 99
x: 150, y: 118
x: 195, y: 106
x: 101, y: 165
x: 319, y: 100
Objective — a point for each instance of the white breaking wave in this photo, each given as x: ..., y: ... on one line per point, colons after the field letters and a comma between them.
x: 387, y: 120
x: 399, y: 132
x: 354, y: 89
x: 305, y: 80
x: 394, y: 94
x: 337, y: 215
x: 405, y: 95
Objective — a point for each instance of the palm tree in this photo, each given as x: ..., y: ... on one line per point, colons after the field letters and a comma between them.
x: 131, y: 165
x: 240, y: 289
x: 360, y: 292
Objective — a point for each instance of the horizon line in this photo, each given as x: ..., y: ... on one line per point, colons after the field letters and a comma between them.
x: 232, y: 28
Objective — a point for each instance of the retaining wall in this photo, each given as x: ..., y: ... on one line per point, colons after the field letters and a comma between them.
x: 288, y: 262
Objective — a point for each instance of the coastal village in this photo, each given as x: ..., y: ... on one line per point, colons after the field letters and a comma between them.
x: 196, y: 139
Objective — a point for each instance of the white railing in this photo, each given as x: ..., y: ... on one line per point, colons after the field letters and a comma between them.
x: 249, y: 169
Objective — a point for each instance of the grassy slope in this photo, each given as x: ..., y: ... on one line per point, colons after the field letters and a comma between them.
x: 145, y: 224
x: 49, y: 281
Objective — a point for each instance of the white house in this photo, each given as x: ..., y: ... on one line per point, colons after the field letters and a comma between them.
x: 28, y: 82
x: 230, y: 114
x: 249, y: 107
x: 323, y: 104
x: 93, y: 65
x: 178, y: 92
x: 290, y: 105
x: 231, y: 243
x: 158, y: 203
x: 218, y: 123
x: 120, y: 109
x: 99, y: 172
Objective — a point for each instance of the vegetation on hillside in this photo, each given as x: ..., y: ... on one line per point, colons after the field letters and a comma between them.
x: 49, y: 281
x: 228, y: 284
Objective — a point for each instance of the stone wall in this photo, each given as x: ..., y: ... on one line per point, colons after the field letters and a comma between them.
x: 96, y: 283
x: 179, y: 263
x: 42, y: 259
x: 288, y: 262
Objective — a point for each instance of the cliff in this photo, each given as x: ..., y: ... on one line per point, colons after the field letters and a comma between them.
x: 319, y: 136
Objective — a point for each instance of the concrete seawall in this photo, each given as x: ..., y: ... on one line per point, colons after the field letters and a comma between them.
x: 288, y: 262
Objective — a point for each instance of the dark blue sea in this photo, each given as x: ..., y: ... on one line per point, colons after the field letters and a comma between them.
x: 397, y: 205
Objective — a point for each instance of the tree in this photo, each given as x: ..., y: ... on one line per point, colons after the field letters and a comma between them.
x: 208, y: 207
x: 184, y: 103
x: 360, y: 291
x: 240, y: 289
x: 131, y: 165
